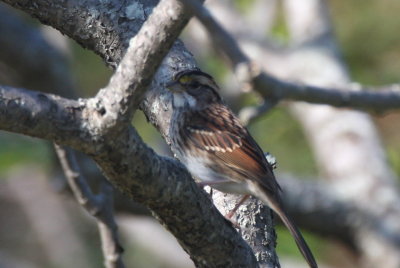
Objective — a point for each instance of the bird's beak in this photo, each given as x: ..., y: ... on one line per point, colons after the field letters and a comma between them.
x: 174, y: 86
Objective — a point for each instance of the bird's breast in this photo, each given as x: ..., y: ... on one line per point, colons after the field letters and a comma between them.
x: 207, y: 172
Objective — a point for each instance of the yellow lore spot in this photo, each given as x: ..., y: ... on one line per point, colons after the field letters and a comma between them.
x: 185, y: 79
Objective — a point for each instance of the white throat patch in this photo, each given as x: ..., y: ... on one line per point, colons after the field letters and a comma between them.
x: 191, y: 100
x: 180, y: 99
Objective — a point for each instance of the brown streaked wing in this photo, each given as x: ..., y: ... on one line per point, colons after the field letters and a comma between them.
x: 217, y: 131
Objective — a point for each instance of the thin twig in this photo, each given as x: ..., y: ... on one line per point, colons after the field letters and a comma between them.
x: 100, y: 206
x: 388, y: 97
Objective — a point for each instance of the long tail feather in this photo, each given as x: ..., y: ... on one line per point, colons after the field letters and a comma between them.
x: 275, y: 204
x: 301, y: 243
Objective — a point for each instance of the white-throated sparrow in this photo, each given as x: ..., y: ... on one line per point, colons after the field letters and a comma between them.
x: 209, y: 139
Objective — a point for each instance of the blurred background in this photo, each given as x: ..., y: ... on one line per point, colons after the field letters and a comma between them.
x: 41, y: 224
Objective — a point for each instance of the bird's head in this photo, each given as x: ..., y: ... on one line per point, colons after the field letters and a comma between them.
x: 193, y: 89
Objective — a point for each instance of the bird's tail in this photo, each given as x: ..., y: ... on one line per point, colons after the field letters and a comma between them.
x: 301, y: 243
x: 275, y: 204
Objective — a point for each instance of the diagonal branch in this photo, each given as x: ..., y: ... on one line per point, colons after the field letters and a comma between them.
x: 100, y: 206
x: 126, y: 88
x: 274, y: 89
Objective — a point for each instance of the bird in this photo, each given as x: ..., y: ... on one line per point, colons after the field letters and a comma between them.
x: 218, y: 150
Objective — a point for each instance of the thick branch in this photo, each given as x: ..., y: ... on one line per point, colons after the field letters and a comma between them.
x: 273, y: 88
x: 169, y: 191
x: 34, y: 114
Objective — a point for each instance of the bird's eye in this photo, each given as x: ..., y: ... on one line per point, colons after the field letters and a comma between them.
x: 195, y: 84
x: 185, y: 79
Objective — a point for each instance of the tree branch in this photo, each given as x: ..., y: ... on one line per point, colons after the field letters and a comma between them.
x: 34, y: 114
x: 274, y: 89
x: 100, y: 206
x: 165, y: 186
x: 146, y: 50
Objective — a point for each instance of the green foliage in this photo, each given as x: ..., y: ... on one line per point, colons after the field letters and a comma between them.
x: 278, y: 133
x: 243, y: 5
x: 148, y: 133
x: 89, y: 70
x: 286, y: 245
x: 141, y: 257
x: 394, y: 158
x: 16, y: 149
x: 214, y: 65
x: 368, y: 34
x: 279, y: 30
